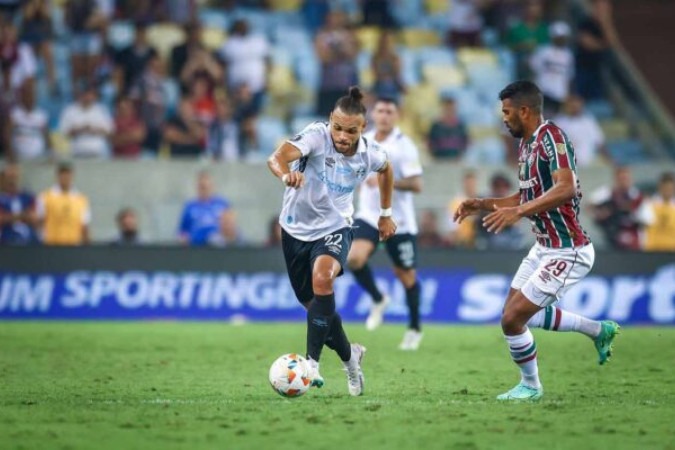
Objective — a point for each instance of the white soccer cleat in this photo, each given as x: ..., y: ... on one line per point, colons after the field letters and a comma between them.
x: 411, y: 340
x: 355, y: 378
x: 376, y: 315
x: 313, y: 373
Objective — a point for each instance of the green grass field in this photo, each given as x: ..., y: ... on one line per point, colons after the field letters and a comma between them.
x: 163, y: 385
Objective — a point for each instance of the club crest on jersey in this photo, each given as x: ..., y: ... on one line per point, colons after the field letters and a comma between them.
x: 561, y: 148
x: 530, y: 158
x: 330, y: 161
x: 360, y: 172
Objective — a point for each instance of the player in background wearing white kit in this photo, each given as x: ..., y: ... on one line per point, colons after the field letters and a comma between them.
x: 320, y: 168
x: 402, y: 247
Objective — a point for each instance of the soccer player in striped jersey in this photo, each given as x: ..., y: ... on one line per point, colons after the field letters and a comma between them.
x: 563, y: 254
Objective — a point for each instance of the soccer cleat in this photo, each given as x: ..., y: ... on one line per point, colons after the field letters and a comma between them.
x: 376, y: 315
x: 411, y: 340
x: 355, y: 378
x: 313, y: 373
x: 522, y: 393
x: 603, y: 342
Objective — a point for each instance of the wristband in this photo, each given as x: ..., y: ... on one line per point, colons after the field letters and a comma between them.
x: 385, y: 212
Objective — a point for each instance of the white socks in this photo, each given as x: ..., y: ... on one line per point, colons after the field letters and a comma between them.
x: 524, y: 353
x: 556, y: 319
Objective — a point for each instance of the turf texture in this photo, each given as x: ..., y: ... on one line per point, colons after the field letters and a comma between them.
x: 165, y: 385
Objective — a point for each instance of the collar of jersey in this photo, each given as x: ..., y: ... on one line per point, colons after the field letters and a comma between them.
x: 536, y: 132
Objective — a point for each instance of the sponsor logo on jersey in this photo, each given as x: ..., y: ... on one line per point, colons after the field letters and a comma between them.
x: 361, y: 172
x: 528, y: 184
x: 561, y: 148
x: 335, y: 249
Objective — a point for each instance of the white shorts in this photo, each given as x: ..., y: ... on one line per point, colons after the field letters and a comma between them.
x: 546, y: 273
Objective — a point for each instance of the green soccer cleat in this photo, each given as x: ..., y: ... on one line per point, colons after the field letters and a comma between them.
x: 603, y: 343
x: 522, y: 393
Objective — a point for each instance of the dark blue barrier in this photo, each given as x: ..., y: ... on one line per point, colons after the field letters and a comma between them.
x: 461, y: 292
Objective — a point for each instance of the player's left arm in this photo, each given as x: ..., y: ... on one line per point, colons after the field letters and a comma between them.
x: 385, y: 181
x: 413, y: 184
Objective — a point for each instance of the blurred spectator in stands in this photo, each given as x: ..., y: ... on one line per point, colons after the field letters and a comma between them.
x: 18, y: 220
x: 526, y: 35
x: 223, y: 134
x: 378, y: 13
x: 87, y: 124
x: 463, y: 234
x: 246, y: 118
x: 386, y: 66
x: 148, y: 94
x: 148, y: 11
x: 246, y: 56
x: 510, y: 238
x: 201, y: 218
x: 130, y: 131
x: 184, y: 133
x: 336, y: 47
x: 63, y: 211
x: 127, y: 227
x: 448, y: 138
x: 314, y: 13
x: 595, y: 37
x: 29, y: 126
x: 181, y: 11
x: 17, y: 60
x: 202, y: 99
x: 621, y: 211
x: 36, y: 31
x: 228, y: 234
x: 583, y: 130
x: 9, y: 9
x: 660, y: 234
x: 429, y: 235
x: 553, y: 68
x: 273, y: 232
x: 192, y: 58
x: 131, y: 61
x: 466, y: 24
x: 86, y: 19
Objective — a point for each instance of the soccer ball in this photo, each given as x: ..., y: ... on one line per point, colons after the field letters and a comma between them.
x: 288, y: 375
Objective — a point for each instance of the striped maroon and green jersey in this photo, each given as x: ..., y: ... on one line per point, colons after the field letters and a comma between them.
x: 546, y: 151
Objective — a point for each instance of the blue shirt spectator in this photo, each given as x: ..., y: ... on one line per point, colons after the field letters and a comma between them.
x: 17, y: 210
x: 201, y: 217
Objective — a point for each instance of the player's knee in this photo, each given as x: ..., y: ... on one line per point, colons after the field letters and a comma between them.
x: 322, y: 283
x: 511, y: 321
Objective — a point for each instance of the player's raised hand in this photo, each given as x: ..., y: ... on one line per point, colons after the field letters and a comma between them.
x: 387, y: 227
x: 501, y: 218
x: 294, y: 179
x: 467, y: 208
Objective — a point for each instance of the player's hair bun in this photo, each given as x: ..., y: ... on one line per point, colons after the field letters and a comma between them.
x: 355, y: 93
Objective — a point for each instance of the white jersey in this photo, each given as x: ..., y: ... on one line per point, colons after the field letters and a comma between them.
x: 405, y: 161
x: 325, y: 203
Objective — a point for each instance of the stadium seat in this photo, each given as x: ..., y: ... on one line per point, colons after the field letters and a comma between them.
x: 409, y: 67
x: 416, y: 38
x: 368, y: 38
x: 270, y: 131
x: 615, y: 129
x: 281, y: 56
x: 438, y: 55
x: 300, y: 122
x: 367, y: 78
x: 280, y: 80
x: 303, y: 102
x: 407, y: 13
x: 436, y: 6
x: 285, y: 5
x: 60, y: 144
x: 601, y: 109
x: 443, y: 76
x: 476, y: 56
x: 627, y: 151
x: 164, y: 37
x: 488, y: 151
x: 213, y: 38
x: 479, y: 132
x: 211, y: 17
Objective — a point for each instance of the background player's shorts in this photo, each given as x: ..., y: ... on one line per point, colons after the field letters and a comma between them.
x: 300, y: 257
x: 401, y: 248
x: 546, y: 273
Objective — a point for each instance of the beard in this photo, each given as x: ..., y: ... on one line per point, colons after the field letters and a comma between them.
x: 516, y: 133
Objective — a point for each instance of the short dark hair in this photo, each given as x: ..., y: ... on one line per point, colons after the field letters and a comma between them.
x: 352, y: 104
x: 524, y: 93
x: 64, y: 166
x: 387, y: 100
x: 667, y: 177
x: 122, y: 213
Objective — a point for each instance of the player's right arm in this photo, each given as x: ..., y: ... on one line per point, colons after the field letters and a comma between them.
x: 279, y: 164
x: 473, y: 206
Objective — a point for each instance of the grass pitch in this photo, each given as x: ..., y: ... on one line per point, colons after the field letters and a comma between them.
x: 164, y: 385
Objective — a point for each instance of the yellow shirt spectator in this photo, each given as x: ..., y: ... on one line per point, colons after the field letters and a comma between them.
x: 660, y: 234
x: 65, y: 216
x: 463, y: 234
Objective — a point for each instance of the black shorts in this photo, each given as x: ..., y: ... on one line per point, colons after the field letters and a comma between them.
x: 401, y: 248
x: 300, y: 257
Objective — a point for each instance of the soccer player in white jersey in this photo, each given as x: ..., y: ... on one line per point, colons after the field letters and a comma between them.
x: 402, y: 247
x: 320, y: 168
x: 549, y: 195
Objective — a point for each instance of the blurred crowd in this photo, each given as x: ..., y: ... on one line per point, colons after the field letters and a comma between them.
x: 178, y: 88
